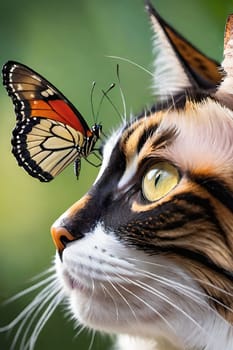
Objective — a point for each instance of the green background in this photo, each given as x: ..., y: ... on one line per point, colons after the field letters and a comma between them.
x: 68, y: 42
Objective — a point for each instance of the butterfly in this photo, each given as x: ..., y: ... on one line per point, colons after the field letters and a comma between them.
x: 50, y: 132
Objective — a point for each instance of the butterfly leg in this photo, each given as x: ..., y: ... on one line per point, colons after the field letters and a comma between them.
x: 95, y: 165
x: 97, y: 155
x: 77, y: 167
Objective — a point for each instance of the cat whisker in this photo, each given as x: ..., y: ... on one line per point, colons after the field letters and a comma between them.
x: 29, y: 290
x: 34, y: 313
x: 33, y: 318
x: 43, y: 319
x: 32, y: 310
x: 105, y: 290
x: 131, y: 62
x: 92, y: 293
x: 174, y: 269
x: 186, y: 290
x: 121, y: 296
x: 143, y: 301
x: 50, y: 270
x: 81, y: 329
x: 166, y: 299
x: 29, y: 308
x: 92, y: 339
x: 168, y: 282
x: 149, y: 263
x: 161, y: 296
x: 209, y: 284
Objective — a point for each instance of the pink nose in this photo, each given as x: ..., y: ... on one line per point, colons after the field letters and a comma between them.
x: 61, y: 237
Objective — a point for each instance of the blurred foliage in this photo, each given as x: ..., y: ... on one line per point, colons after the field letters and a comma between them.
x: 68, y: 42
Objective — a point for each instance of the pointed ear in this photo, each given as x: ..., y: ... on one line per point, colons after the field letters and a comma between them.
x: 179, y: 66
x: 225, y: 91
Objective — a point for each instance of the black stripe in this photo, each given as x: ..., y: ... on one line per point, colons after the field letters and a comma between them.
x: 129, y: 132
x: 169, y: 217
x: 176, y: 102
x: 208, y: 211
x: 141, y: 230
x: 169, y: 249
x: 162, y: 138
x: 144, y: 137
x: 199, y: 257
x: 218, y: 189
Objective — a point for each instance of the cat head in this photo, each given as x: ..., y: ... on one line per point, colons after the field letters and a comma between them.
x: 149, y: 249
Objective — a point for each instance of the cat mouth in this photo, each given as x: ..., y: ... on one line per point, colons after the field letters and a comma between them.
x: 72, y: 283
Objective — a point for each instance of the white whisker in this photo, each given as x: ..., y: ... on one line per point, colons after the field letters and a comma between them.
x: 160, y: 295
x: 29, y: 289
x: 105, y: 290
x: 27, y: 317
x: 81, y: 329
x: 51, y: 269
x: 122, y: 297
x: 166, y: 299
x: 131, y: 62
x: 35, y: 315
x: 29, y: 308
x: 185, y: 289
x: 168, y: 282
x: 148, y: 305
x: 33, y: 312
x: 92, y: 339
x: 43, y: 319
x: 209, y: 284
x: 92, y: 293
x: 174, y: 269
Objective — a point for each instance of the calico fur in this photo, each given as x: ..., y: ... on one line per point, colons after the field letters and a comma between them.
x: 161, y: 272
x: 157, y: 275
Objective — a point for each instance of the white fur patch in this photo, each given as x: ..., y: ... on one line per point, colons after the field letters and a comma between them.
x: 169, y: 76
x: 227, y: 64
x: 108, y: 148
x: 129, y: 172
x: 118, y: 289
x: 127, y: 342
x: 204, y: 138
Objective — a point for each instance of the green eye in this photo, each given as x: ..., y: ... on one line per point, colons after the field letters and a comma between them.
x: 160, y: 179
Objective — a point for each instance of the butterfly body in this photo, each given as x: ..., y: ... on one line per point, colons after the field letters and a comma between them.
x: 50, y: 132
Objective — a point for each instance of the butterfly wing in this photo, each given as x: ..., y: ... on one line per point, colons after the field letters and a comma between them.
x: 50, y: 132
x: 44, y: 147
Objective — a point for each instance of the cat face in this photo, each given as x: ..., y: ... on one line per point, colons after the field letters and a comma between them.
x: 145, y: 261
x: 148, y: 250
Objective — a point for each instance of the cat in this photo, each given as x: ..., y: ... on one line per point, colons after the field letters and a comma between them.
x: 147, y: 253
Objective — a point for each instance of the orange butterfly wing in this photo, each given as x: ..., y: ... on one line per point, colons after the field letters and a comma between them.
x: 50, y: 132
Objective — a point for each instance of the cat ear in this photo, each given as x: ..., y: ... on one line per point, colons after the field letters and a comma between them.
x: 179, y: 66
x: 225, y: 91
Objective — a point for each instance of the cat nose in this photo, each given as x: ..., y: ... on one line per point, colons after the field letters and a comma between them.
x: 61, y: 237
x: 72, y: 225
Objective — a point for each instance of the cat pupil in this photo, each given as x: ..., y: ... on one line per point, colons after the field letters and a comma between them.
x: 158, y: 176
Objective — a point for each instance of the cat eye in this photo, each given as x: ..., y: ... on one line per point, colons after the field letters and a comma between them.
x: 159, y: 180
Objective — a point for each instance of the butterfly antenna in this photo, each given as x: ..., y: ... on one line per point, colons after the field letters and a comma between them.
x: 92, y: 103
x: 113, y: 105
x: 105, y: 94
x: 122, y: 94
